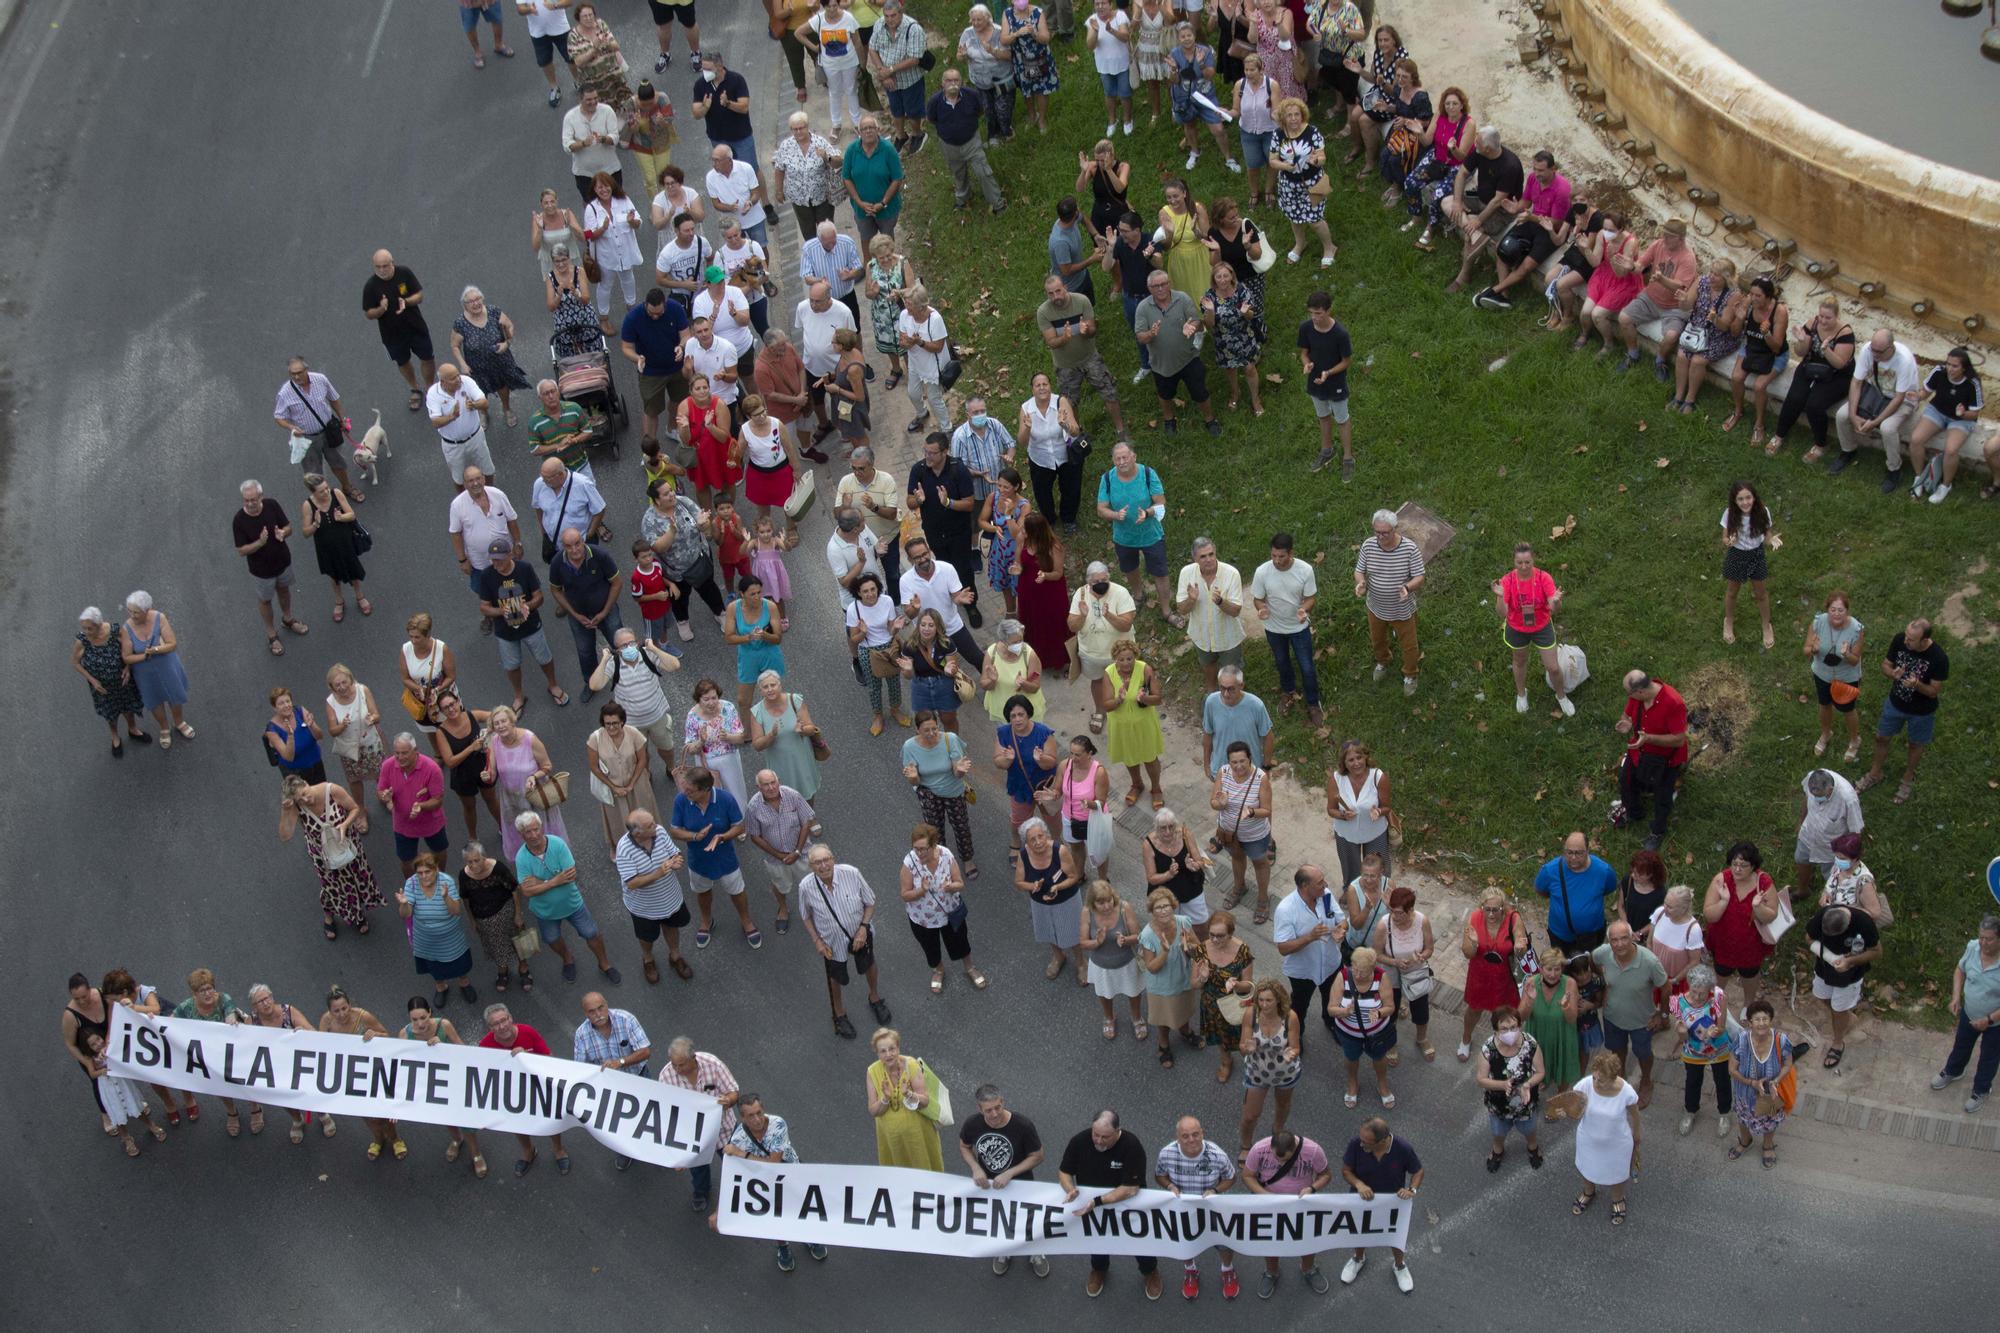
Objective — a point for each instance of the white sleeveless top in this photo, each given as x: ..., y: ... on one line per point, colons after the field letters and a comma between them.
x: 1046, y: 441
x: 765, y: 451
x: 354, y: 717
x: 1362, y: 828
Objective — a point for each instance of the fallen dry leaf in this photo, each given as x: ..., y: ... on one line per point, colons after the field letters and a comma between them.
x: 1642, y: 427
x: 1621, y: 488
x: 1320, y: 558
x: 1274, y: 379
x: 1323, y: 732
x: 1588, y: 793
x: 1687, y: 858
x: 1563, y: 529
x: 1482, y: 726
x: 1541, y: 792
x: 1663, y: 462
x: 1415, y: 355
x: 1581, y: 449
x: 1503, y: 469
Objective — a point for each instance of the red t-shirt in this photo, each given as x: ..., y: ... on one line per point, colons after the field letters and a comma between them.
x: 1666, y: 715
x: 1527, y: 600
x: 525, y: 1039
x: 651, y: 583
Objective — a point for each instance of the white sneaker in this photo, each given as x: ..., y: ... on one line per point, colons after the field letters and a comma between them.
x: 1687, y: 1123
x: 1381, y: 670
x: 1403, y: 1279
x: 1128, y: 129
x: 1937, y: 495
x: 1568, y: 708
x: 687, y: 632
x: 1520, y: 703
x: 1409, y: 685
x: 1352, y: 1269
x: 1233, y: 165
x: 1110, y: 129
x: 1724, y: 1122
x: 1193, y: 158
x: 1139, y: 375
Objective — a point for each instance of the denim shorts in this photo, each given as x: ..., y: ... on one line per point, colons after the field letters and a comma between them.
x: 469, y: 16
x: 1943, y: 422
x: 1330, y: 407
x: 1255, y: 849
x: 1256, y: 149
x: 1375, y: 1047
x: 580, y: 921
x: 1894, y: 719
x: 1116, y: 85
x: 510, y: 650
x: 1155, y: 557
x: 408, y: 843
x: 1500, y: 1129
x: 907, y: 103
x: 1617, y: 1039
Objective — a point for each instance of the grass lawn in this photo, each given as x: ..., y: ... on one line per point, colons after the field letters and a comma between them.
x: 1504, y: 455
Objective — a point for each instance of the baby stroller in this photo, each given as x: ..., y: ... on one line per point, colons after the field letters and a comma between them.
x: 585, y: 379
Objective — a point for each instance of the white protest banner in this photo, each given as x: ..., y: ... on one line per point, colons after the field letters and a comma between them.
x: 925, y: 1212
x: 470, y: 1087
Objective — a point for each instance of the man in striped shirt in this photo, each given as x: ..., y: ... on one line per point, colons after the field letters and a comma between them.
x: 1387, y: 574
x: 698, y: 1071
x: 649, y: 867
x: 614, y: 1039
x: 1193, y: 1166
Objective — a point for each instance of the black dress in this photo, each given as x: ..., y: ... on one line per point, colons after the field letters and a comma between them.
x: 106, y: 665
x: 1107, y: 203
x: 465, y: 779
x: 333, y: 544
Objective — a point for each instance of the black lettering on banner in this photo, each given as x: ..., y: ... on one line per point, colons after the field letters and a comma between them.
x: 814, y: 1205
x: 436, y: 1076
x: 920, y: 1204
x: 1228, y: 1225
x: 193, y: 1061
x: 482, y: 1089
x: 1099, y: 1222
x: 648, y: 1128
x: 847, y: 1206
x: 299, y: 1059
x: 1261, y: 1225
x: 625, y: 1107
x: 882, y: 1210
x: 1343, y: 1221
x: 570, y: 1093
x: 1291, y: 1226
x: 544, y: 1095
x: 382, y: 1071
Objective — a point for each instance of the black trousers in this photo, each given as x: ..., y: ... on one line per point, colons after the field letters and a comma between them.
x: 955, y: 939
x: 968, y: 647
x: 706, y: 590
x: 1691, y: 1101
x: 1817, y: 399
x: 891, y: 555
x: 1649, y: 774
x: 1101, y: 1263
x: 1058, y: 490
x: 1302, y: 992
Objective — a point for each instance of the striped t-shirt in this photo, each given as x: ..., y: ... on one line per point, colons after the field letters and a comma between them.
x: 1387, y: 572
x: 663, y: 897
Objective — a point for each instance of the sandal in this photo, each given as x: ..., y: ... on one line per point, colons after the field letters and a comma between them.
x: 1866, y: 781
x: 1222, y: 1074
x: 1393, y: 1059
x: 375, y: 1150
x: 1166, y: 1057
x: 1493, y: 1160
x: 556, y: 693
x: 1813, y: 455
x: 1140, y: 1031
x: 1535, y: 1159
x: 366, y: 607
x: 478, y: 1166
x: 1583, y: 1202
x: 1132, y: 797
x: 234, y: 1125
x: 1110, y: 1030
x: 1770, y: 1158
x: 399, y: 1149
x: 1350, y: 1100
x: 327, y: 1126
x: 1054, y: 969
x: 976, y: 977
x: 1261, y: 916
x: 298, y: 1132
x: 339, y: 612
x: 1430, y: 1051
x: 1729, y: 422
x: 651, y: 970
x: 277, y: 649
x: 1388, y: 1101
x: 256, y: 1122
x: 131, y: 1146
x: 416, y: 401
x: 187, y: 732
x: 1159, y: 801
x: 1736, y: 1150
x: 329, y: 927
x: 1097, y: 724
x: 527, y: 983
x: 500, y: 983
x: 1832, y: 1058
x: 1903, y: 790
x: 1987, y: 492
x: 937, y: 983
x: 1618, y: 1212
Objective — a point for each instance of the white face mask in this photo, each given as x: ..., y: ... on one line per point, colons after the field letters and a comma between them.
x: 1510, y: 1038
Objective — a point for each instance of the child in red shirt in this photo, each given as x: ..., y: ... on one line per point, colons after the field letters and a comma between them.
x: 732, y: 543
x: 649, y: 589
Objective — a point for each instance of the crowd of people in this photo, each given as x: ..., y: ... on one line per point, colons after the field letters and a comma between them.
x: 735, y: 410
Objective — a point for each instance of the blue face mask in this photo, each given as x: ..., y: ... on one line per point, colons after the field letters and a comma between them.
x: 1842, y: 863
x: 630, y: 652
x: 981, y: 422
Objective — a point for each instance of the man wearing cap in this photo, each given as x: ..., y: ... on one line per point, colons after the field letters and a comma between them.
x: 457, y: 407
x: 1828, y: 808
x: 1671, y: 268
x: 651, y: 339
x: 727, y: 309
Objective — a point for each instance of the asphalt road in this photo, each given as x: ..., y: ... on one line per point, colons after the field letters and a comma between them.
x: 178, y: 219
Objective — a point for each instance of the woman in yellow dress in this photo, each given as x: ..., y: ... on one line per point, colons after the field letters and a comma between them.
x: 897, y: 1098
x: 1011, y: 668
x: 1132, y: 723
x: 1184, y: 223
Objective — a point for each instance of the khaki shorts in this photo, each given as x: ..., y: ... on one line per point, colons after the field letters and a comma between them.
x: 1222, y: 657
x: 1093, y: 667
x: 663, y: 734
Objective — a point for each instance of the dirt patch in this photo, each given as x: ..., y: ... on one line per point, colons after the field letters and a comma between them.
x: 1720, y: 715
x: 1958, y: 616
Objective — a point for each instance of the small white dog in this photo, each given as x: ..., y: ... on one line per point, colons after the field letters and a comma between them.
x: 371, y: 448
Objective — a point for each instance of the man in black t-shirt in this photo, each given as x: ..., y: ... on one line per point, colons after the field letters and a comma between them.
x: 1133, y: 257
x: 1917, y: 666
x: 260, y: 531
x: 1843, y: 943
x: 1325, y: 352
x: 941, y: 491
x: 391, y: 298
x: 1492, y: 176
x: 585, y: 581
x: 1111, y: 1158
x: 1001, y: 1147
x: 510, y: 595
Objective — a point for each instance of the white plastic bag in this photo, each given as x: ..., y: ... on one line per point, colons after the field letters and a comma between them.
x: 1575, y: 667
x: 1097, y: 837
x: 300, y: 444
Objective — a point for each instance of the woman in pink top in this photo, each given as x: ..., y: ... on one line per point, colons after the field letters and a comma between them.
x: 1084, y: 785
x: 1427, y: 187
x: 1614, y: 280
x: 1527, y: 599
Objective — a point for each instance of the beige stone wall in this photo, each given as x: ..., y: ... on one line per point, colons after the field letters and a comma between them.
x: 1924, y: 229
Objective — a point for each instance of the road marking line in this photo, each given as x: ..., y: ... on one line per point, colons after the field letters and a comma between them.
x: 368, y: 61
x: 28, y: 79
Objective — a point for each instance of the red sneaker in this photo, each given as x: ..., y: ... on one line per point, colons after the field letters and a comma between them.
x: 1190, y: 1283
x: 1231, y: 1288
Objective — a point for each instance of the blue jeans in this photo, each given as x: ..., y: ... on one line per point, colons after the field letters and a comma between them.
x: 1285, y: 648
x: 1962, y: 1042
x: 1131, y: 319
x: 585, y: 637
x: 699, y: 1179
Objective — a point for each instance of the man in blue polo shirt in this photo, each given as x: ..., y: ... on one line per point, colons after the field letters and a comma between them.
x: 707, y: 823
x: 1577, y: 885
x: 651, y: 338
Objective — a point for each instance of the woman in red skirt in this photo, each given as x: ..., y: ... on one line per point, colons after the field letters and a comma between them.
x: 1494, y: 937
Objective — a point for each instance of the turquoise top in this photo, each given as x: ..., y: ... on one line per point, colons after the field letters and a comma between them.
x: 934, y: 764
x: 558, y: 903
x: 1176, y: 975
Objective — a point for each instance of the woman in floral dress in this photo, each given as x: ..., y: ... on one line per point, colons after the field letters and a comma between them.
x: 1223, y: 966
x: 883, y: 284
x: 599, y: 64
x: 97, y: 659
x: 1237, y: 321
x: 1034, y: 63
x: 482, y: 340
x: 1001, y: 518
x: 346, y: 883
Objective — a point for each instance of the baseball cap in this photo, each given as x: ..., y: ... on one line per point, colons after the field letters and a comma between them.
x: 500, y: 546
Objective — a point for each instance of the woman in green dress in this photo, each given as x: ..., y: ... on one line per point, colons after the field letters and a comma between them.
x: 1132, y: 722
x: 783, y: 731
x: 1549, y: 1013
x: 898, y: 1097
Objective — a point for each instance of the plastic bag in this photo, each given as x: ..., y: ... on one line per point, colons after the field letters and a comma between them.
x: 1097, y: 837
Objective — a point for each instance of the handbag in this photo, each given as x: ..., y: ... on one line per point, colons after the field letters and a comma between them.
x: 1873, y: 401
x: 1267, y: 255
x: 950, y: 368
x: 603, y: 793
x: 938, y: 1108
x: 562, y: 509
x: 882, y: 663
x: 963, y: 686
x: 1076, y: 449
x: 364, y: 540
x: 805, y: 489
x: 527, y: 943
x: 1320, y: 188
x: 1774, y: 930
x: 1788, y: 1088
x: 335, y: 847
x: 1227, y: 837
x: 1694, y: 341
x: 1418, y: 982
x: 549, y: 792
x: 1231, y: 1007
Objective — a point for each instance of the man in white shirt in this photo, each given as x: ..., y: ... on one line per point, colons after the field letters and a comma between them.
x: 727, y: 309
x: 1283, y: 591
x: 1308, y: 927
x: 930, y: 584
x: 590, y: 137
x: 838, y: 909
x: 817, y: 319
x: 736, y: 190
x: 480, y: 516
x: 583, y: 509
x: 457, y: 407
x: 548, y: 29
x: 706, y: 354
x: 1886, y: 372
x: 921, y: 331
x: 851, y: 552
x: 683, y: 258
x: 1210, y: 595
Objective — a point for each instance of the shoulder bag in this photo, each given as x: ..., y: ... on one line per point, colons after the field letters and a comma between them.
x: 547, y: 793
x: 821, y: 750
x: 562, y: 509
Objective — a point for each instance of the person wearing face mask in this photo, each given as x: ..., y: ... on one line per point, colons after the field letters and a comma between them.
x: 1828, y: 808
x: 982, y: 446
x: 1851, y: 883
x: 1511, y: 1071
